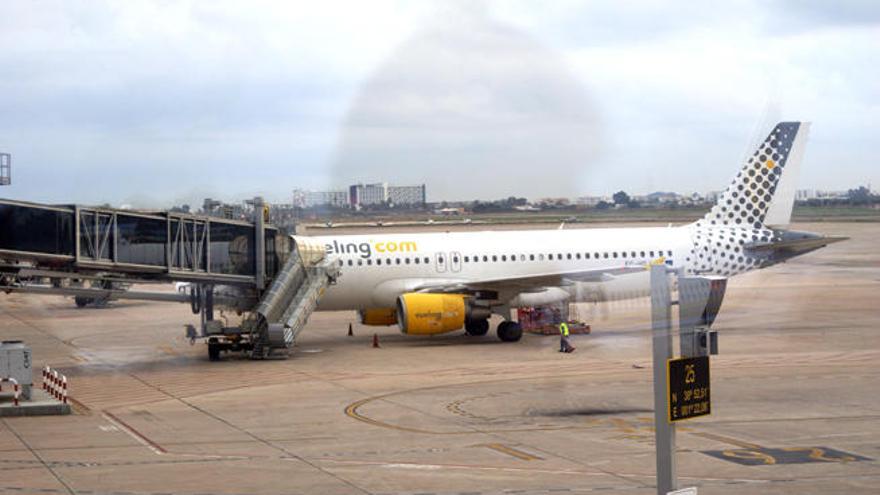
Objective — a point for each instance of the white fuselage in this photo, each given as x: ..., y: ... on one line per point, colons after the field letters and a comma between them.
x: 377, y: 268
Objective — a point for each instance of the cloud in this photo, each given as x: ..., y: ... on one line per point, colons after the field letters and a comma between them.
x: 108, y: 101
x: 474, y: 108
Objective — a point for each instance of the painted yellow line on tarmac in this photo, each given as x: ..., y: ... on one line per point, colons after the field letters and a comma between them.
x: 504, y: 449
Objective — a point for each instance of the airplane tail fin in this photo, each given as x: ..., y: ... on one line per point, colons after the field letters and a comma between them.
x: 762, y: 193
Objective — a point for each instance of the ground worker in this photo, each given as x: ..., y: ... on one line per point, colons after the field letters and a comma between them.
x: 564, y: 345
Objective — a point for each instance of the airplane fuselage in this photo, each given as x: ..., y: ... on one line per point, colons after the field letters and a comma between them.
x: 375, y: 269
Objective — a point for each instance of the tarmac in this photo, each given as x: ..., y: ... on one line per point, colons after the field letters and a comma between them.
x: 795, y: 402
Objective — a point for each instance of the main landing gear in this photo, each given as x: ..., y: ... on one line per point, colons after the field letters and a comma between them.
x: 476, y: 327
x: 509, y: 331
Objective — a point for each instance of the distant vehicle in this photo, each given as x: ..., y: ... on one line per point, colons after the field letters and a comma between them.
x: 102, y: 300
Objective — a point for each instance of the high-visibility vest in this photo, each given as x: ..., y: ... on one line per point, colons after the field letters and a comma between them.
x: 563, y: 329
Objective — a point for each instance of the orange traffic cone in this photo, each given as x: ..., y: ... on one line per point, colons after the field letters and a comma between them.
x: 350, y: 333
x: 375, y: 341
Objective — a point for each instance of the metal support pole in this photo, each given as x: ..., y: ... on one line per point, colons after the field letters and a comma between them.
x: 260, y: 244
x: 664, y: 431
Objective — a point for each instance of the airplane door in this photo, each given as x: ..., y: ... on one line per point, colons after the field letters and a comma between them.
x: 455, y: 261
x: 440, y: 262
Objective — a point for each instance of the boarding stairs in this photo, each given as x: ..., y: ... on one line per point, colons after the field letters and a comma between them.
x: 294, y: 294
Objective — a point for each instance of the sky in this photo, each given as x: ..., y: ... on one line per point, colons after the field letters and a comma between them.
x: 152, y: 103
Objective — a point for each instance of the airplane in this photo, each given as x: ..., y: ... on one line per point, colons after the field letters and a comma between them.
x: 432, y: 283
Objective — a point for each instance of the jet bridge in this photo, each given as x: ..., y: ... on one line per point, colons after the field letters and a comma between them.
x: 92, y: 253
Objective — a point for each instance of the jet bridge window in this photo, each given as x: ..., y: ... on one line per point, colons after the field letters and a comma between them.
x: 38, y: 230
x: 141, y: 240
x: 232, y: 249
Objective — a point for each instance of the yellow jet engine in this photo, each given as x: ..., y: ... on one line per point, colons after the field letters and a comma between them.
x: 428, y: 314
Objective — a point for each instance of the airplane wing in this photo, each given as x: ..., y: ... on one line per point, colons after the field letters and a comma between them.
x: 534, y: 281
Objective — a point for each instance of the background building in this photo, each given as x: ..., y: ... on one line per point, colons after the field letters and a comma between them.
x: 311, y: 199
x: 407, y: 195
x: 368, y: 194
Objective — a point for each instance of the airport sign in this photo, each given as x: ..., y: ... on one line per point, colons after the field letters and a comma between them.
x: 688, y: 388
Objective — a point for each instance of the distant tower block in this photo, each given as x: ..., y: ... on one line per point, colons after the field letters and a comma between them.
x: 5, y: 169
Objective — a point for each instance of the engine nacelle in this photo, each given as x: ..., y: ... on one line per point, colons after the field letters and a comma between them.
x: 378, y: 316
x: 428, y: 314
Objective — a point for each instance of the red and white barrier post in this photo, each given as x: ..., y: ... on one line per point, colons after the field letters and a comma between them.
x: 55, y: 383
x: 16, y: 389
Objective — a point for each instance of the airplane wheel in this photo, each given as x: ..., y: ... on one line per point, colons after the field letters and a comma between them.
x: 509, y: 331
x: 82, y: 301
x: 476, y: 327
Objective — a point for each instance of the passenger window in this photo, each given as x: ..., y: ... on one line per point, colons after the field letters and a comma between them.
x: 406, y: 260
x: 494, y: 258
x: 578, y: 255
x: 455, y: 259
x: 350, y: 262
x: 652, y: 254
x: 440, y: 260
x: 642, y: 254
x: 541, y: 257
x: 467, y: 259
x: 559, y: 256
x: 397, y: 260
x: 503, y: 257
x: 605, y: 255
x: 669, y: 253
x: 633, y: 254
x: 623, y: 254
x: 586, y: 256
x: 360, y: 262
x: 550, y: 256
x: 369, y: 261
x: 427, y: 260
x: 568, y: 256
x: 485, y: 258
x: 417, y: 260
x: 615, y: 254
x: 531, y: 257
x: 522, y: 257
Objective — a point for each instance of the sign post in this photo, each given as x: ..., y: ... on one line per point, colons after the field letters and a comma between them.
x: 681, y: 386
x: 664, y: 430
